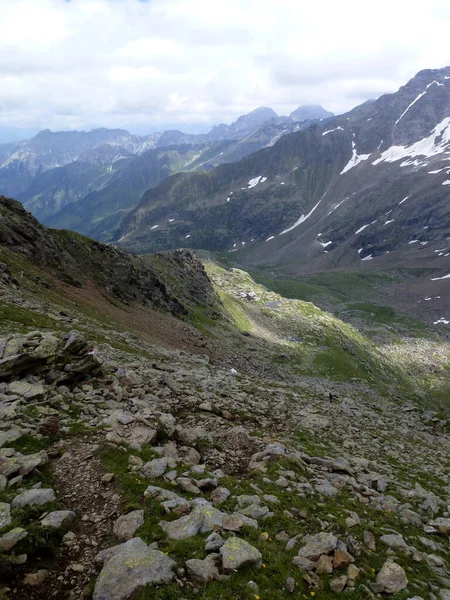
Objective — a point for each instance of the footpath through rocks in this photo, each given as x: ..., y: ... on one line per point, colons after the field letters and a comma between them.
x: 171, y: 477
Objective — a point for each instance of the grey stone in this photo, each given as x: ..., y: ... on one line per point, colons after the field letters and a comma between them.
x: 214, y: 542
x: 34, y: 498
x: 155, y: 468
x: 183, y: 528
x: 442, y: 524
x: 220, y: 495
x: 29, y: 391
x: 126, y: 526
x: 316, y: 545
x: 129, y: 567
x: 5, y: 515
x: 166, y: 423
x: 202, y: 570
x: 391, y: 579
x: 58, y: 519
x: 237, y: 552
x: 393, y: 540
x: 10, y: 539
x: 337, y: 584
x: 255, y: 511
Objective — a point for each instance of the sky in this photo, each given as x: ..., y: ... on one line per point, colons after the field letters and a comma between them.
x: 190, y: 64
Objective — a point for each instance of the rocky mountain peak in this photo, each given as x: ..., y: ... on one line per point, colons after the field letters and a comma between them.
x: 310, y: 112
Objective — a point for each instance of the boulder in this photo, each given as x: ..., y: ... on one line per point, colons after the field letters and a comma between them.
x: 28, y: 391
x: 34, y: 497
x: 183, y: 528
x: 58, y: 519
x: 129, y: 567
x: 391, y: 579
x: 5, y: 515
x: 237, y: 552
x: 62, y: 357
x: 126, y: 526
x: 10, y: 539
x: 202, y: 570
x: 316, y: 545
x: 155, y: 468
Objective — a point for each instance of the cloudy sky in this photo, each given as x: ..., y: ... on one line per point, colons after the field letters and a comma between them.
x: 193, y: 63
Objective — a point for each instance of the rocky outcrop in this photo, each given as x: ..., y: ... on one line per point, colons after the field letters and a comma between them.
x: 63, y: 358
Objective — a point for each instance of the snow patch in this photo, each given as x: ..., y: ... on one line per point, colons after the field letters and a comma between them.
x: 188, y: 236
x: 390, y: 221
x: 413, y: 242
x: 270, y: 238
x: 441, y: 320
x: 337, y: 206
x: 370, y: 257
x: 171, y: 220
x: 362, y: 228
x: 404, y: 200
x: 435, y: 82
x: 303, y: 218
x: 360, y: 250
x: 154, y: 227
x: 436, y: 143
x: 255, y: 181
x: 439, y: 278
x: 410, y: 106
x: 331, y: 130
x: 325, y: 244
x: 355, y: 159
x: 446, y: 182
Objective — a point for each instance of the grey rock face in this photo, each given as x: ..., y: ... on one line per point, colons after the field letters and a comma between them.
x: 34, y: 498
x: 129, y: 567
x: 126, y: 526
x: 237, y: 552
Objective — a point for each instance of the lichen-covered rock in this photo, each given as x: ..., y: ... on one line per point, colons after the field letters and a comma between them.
x: 129, y: 567
x: 237, y: 552
x: 10, y: 539
x: 126, y: 526
x: 391, y: 579
x: 58, y: 519
x: 34, y: 497
x: 183, y: 528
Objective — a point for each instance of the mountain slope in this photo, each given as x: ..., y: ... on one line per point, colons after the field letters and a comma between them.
x: 371, y: 184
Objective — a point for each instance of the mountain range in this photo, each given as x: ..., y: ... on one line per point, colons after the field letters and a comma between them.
x: 369, y: 187
x: 87, y: 181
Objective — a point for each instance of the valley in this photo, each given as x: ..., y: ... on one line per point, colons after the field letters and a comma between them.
x: 172, y: 428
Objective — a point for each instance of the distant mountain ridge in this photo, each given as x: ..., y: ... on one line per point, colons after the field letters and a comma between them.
x: 87, y: 181
x: 370, y: 185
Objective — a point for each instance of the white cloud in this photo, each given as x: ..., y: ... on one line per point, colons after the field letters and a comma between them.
x: 123, y: 62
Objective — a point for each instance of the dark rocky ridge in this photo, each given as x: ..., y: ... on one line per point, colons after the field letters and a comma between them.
x: 80, y: 261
